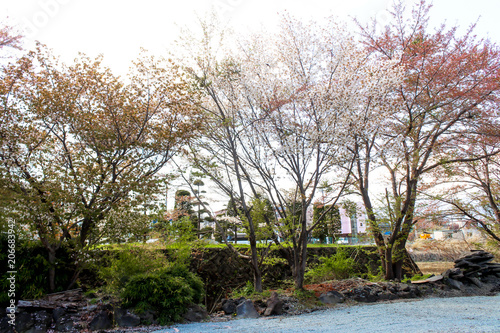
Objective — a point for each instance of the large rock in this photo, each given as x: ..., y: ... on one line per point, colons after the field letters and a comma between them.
x: 332, y: 297
x: 102, y: 321
x: 404, y: 287
x: 195, y: 313
x: 24, y: 321
x: 246, y: 310
x: 475, y: 281
x: 454, y: 284
x: 125, y: 318
x: 229, y: 306
x: 63, y: 320
x: 42, y: 321
x: 274, y: 305
x: 148, y: 317
x: 364, y: 294
x: 387, y: 295
x: 5, y: 327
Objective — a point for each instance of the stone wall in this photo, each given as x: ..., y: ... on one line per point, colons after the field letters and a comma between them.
x: 223, y: 271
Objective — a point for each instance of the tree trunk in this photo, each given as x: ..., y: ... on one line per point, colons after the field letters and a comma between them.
x: 52, y: 269
x: 84, y: 232
x: 302, y: 257
x: 394, y: 270
x: 257, y: 280
x: 74, y: 278
x: 389, y: 272
x: 255, y: 265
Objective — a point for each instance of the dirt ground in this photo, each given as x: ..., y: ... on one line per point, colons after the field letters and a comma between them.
x: 434, y: 267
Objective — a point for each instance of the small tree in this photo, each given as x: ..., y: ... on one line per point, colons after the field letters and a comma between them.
x: 328, y: 220
x: 311, y: 89
x: 285, y: 105
x: 78, y: 145
x: 473, y: 186
x: 448, y: 80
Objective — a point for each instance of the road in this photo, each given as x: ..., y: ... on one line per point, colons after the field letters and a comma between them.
x: 458, y: 314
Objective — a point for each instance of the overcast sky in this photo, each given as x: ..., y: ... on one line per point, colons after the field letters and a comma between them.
x: 117, y: 29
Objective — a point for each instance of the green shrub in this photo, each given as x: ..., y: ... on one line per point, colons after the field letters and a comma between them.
x: 168, y: 290
x: 32, y: 266
x: 337, y: 267
x: 127, y: 263
x: 375, y: 277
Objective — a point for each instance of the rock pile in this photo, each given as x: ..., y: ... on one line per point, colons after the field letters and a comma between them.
x: 69, y: 311
x: 245, y: 308
x: 478, y: 264
x: 375, y: 292
x: 474, y: 268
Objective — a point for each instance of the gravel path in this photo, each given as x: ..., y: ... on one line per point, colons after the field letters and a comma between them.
x: 457, y: 314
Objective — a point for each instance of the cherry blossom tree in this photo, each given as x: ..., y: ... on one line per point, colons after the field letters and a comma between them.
x: 471, y: 188
x: 313, y: 89
x: 448, y: 81
x: 80, y: 147
x: 218, y: 153
x: 283, y: 109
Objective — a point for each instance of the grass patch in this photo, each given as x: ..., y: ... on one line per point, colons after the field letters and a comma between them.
x: 337, y: 267
x: 248, y: 291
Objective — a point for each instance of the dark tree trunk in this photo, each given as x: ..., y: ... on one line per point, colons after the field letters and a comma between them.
x: 52, y: 269
x: 84, y: 232
x: 257, y: 282
x: 389, y: 271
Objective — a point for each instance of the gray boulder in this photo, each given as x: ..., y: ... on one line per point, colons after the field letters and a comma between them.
x: 125, y: 318
x: 24, y: 321
x: 63, y: 320
x: 332, y: 297
x: 274, y: 305
x: 102, y: 321
x: 148, y: 317
x: 5, y: 326
x: 246, y: 310
x: 229, y: 306
x: 195, y: 313
x: 42, y: 321
x: 455, y: 284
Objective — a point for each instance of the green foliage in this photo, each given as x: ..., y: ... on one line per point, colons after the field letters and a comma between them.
x: 181, y: 230
x: 271, y: 261
x: 184, y: 202
x: 32, y: 270
x: 248, y: 291
x: 169, y: 290
x: 378, y: 276
x: 330, y: 222
x: 124, y: 223
x: 127, y: 263
x: 337, y: 267
x: 302, y: 294
x: 262, y: 216
x: 416, y: 277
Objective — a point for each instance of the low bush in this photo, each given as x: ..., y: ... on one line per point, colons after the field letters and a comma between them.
x: 169, y: 290
x: 128, y: 262
x: 337, y: 267
x: 32, y: 267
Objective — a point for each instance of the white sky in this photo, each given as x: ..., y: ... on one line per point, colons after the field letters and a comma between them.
x: 117, y: 29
